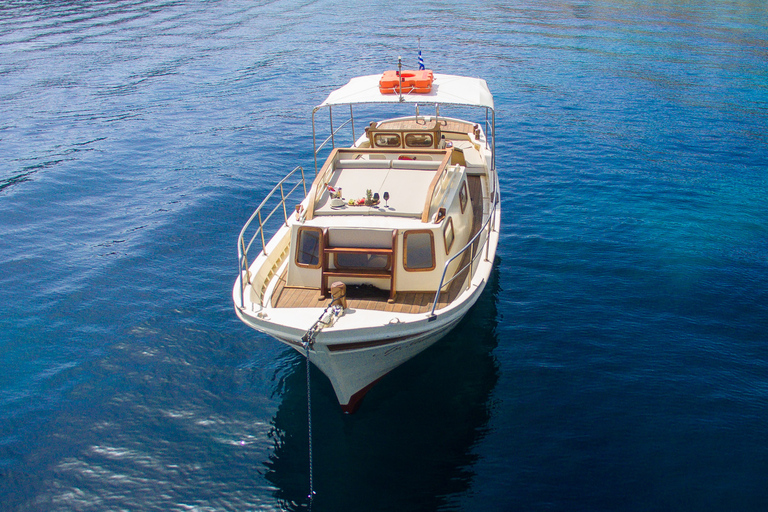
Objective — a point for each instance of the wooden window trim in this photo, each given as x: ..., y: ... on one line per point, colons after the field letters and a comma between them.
x: 405, y: 249
x: 388, y: 134
x: 411, y: 135
x: 344, y: 267
x: 448, y: 246
x: 319, y: 247
x: 463, y: 196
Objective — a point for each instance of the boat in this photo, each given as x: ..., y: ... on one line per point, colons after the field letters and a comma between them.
x: 395, y: 238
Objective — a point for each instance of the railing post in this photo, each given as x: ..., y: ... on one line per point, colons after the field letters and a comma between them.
x: 493, y: 143
x: 263, y: 243
x: 240, y: 271
x: 244, y: 263
x: 282, y: 200
x: 314, y: 145
x: 471, y: 264
x: 488, y: 237
x: 492, y: 223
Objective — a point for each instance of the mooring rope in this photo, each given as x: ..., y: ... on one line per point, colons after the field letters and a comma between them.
x: 307, y: 341
x: 309, y: 422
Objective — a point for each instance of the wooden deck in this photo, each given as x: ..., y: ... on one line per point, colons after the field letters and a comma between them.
x: 358, y: 297
x: 369, y: 297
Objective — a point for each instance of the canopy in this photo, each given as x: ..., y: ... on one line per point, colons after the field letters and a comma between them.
x: 446, y: 89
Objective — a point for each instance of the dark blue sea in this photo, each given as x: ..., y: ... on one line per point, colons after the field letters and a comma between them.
x: 617, y: 361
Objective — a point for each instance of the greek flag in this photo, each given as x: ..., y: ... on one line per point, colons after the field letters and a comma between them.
x: 421, y: 61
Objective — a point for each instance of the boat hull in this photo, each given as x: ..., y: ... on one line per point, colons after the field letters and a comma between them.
x: 353, y: 372
x: 355, y: 359
x: 363, y: 345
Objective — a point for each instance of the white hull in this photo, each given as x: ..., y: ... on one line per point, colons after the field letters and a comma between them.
x: 419, y: 212
x: 353, y: 370
x: 354, y: 357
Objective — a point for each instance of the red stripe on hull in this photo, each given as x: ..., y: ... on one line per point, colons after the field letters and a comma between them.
x: 355, y: 400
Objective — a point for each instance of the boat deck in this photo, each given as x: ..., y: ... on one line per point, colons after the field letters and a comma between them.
x: 369, y: 297
x: 410, y: 124
x: 363, y: 297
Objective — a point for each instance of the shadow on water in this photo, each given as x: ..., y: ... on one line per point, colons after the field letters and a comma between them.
x: 410, y: 446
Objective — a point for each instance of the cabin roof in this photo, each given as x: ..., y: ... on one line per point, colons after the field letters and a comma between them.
x: 407, y: 191
x: 411, y: 177
x: 446, y: 89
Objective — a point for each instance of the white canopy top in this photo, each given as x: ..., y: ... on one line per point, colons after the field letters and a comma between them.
x: 446, y: 89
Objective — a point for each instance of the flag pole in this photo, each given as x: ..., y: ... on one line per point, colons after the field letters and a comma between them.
x: 421, y: 60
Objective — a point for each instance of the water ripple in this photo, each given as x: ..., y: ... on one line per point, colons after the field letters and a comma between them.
x: 620, y: 345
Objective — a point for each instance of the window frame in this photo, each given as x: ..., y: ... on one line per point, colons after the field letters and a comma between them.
x: 405, y: 249
x: 387, y: 134
x: 349, y: 267
x: 463, y: 196
x: 428, y: 136
x: 320, y: 247
x: 448, y: 246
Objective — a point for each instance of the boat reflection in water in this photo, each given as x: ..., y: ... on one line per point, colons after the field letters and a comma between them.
x: 411, y: 447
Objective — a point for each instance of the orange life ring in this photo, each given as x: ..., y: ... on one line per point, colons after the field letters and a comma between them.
x: 419, y: 81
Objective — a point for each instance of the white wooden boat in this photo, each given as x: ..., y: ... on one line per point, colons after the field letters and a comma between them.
x: 406, y: 217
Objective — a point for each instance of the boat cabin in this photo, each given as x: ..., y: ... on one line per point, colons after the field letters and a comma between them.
x: 389, y: 216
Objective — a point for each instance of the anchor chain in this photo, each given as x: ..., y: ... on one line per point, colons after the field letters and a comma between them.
x: 330, y: 313
x: 309, y: 422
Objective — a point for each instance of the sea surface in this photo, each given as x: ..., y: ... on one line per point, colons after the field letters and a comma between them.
x: 617, y: 361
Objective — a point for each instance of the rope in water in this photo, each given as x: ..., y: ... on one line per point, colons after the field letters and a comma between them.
x: 309, y: 422
x: 307, y: 341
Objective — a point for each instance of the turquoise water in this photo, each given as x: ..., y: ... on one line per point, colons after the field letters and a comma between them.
x: 617, y: 360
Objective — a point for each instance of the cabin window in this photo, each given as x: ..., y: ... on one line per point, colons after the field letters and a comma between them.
x: 463, y: 196
x: 419, y: 250
x: 361, y: 261
x: 448, y: 235
x: 387, y: 140
x: 419, y: 140
x: 308, y: 247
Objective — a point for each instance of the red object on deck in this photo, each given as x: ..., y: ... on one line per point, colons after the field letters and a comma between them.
x: 418, y: 81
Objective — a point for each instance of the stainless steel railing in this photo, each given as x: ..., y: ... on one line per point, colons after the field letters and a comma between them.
x: 287, y: 186
x: 487, y: 227
x: 332, y: 137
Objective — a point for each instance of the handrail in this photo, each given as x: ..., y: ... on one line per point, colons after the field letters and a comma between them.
x: 443, y: 169
x: 242, y: 248
x: 488, y: 222
x: 331, y: 137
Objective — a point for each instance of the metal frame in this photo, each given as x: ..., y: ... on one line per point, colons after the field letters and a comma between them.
x: 490, y: 142
x: 242, y: 248
x: 489, y: 225
x: 490, y: 127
